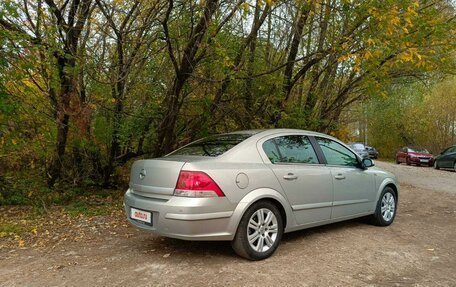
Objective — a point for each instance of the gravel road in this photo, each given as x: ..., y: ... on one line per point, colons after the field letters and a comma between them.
x: 422, y: 177
x: 419, y: 249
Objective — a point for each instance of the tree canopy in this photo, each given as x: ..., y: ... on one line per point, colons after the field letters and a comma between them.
x: 88, y: 85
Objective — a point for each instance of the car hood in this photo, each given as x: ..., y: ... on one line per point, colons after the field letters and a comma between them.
x: 421, y: 154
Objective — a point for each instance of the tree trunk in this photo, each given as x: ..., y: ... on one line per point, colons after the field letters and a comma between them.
x: 165, y: 132
x: 248, y: 104
x: 63, y: 118
x: 287, y: 85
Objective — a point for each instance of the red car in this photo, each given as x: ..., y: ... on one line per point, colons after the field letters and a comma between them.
x: 411, y: 155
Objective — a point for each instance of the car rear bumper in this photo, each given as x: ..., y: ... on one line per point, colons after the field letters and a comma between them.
x: 184, y: 218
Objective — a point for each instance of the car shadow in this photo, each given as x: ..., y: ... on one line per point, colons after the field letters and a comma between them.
x: 222, y: 249
x: 184, y: 248
x: 323, y: 229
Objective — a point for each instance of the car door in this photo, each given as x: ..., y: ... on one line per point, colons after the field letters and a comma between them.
x: 447, y: 158
x: 354, y: 187
x: 305, y: 181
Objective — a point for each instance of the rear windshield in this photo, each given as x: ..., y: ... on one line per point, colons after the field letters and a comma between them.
x: 212, y: 146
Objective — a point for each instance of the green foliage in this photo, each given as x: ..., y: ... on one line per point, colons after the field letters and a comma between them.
x: 124, y: 85
x: 10, y: 228
x: 414, y: 115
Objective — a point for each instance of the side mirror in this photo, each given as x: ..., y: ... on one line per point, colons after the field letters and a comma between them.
x: 367, y: 162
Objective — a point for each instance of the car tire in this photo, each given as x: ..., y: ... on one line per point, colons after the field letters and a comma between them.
x: 397, y: 161
x: 254, y: 221
x: 386, y: 208
x: 407, y: 161
x: 454, y: 166
x: 436, y: 165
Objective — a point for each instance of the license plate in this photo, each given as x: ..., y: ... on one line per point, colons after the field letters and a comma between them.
x: 424, y: 160
x: 141, y: 215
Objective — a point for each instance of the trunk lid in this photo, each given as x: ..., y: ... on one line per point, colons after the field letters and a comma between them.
x: 155, y: 177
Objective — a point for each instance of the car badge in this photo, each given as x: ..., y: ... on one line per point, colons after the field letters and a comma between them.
x: 142, y: 174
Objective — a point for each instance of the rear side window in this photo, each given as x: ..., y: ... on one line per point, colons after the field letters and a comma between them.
x: 271, y: 151
x: 290, y: 149
x: 212, y: 146
x: 337, y: 154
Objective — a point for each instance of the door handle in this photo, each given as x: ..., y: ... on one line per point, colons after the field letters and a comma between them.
x: 339, y: 176
x: 290, y: 176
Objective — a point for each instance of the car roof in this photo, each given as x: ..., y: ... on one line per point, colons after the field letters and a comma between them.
x: 259, y: 133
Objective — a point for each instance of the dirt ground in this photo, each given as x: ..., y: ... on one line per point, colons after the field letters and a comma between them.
x: 419, y: 249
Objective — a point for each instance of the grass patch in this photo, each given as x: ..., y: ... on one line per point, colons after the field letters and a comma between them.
x: 78, y: 208
x: 10, y: 229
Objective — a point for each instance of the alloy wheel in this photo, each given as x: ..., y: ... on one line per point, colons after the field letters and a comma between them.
x: 388, y: 206
x: 262, y: 230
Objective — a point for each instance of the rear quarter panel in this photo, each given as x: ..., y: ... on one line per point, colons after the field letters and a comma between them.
x: 262, y: 184
x: 225, y: 173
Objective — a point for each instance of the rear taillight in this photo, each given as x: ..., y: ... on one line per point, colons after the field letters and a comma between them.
x: 196, y: 184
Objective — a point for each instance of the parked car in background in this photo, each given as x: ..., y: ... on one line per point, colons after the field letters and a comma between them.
x: 360, y: 149
x: 373, y: 153
x: 414, y: 155
x: 446, y: 159
x: 250, y: 187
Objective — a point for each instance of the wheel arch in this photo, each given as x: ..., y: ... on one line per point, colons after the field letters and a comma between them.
x: 261, y: 194
x: 388, y: 182
x: 279, y: 206
x: 394, y: 188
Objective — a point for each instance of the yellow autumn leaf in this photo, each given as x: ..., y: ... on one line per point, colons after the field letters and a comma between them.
x: 246, y: 7
x: 14, y: 142
x: 356, y: 68
x: 370, y: 42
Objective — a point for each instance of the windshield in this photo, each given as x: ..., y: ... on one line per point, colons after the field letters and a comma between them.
x: 358, y: 146
x: 212, y: 146
x: 422, y: 150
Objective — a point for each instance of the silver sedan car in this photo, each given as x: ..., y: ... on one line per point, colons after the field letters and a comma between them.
x: 250, y: 187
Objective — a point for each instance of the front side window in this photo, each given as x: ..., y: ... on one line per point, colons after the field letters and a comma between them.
x: 290, y: 149
x: 337, y: 154
x: 449, y: 150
